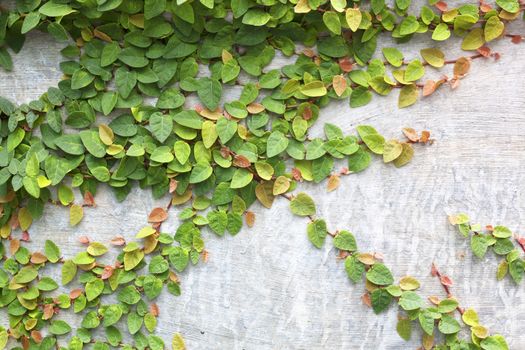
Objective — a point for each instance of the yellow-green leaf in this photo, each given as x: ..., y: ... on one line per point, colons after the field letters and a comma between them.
x: 353, y: 18
x: 434, y: 57
x: 76, y: 213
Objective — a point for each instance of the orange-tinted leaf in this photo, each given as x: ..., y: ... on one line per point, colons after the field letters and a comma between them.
x: 461, y: 67
x: 411, y: 134
x: 158, y: 215
x: 250, y: 218
x: 333, y: 182
x: 339, y: 84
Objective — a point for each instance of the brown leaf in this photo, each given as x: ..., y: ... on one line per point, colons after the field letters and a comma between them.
x: 296, y: 174
x: 484, y: 51
x: 429, y: 88
x: 102, y: 36
x: 118, y: 240
x: 250, y: 218
x: 366, y: 299
x: 49, y: 311
x: 307, y: 113
x: 173, y: 185
x: 425, y: 136
x: 38, y: 258
x: 309, y: 53
x: 205, y: 255
x: 441, y: 6
x: 173, y: 277
x: 75, y: 293
x: 434, y: 299
x: 84, y: 239
x: 158, y: 215
x: 89, y: 200
x: 241, y: 161
x: 366, y: 258
x: 225, y: 152
x: 345, y: 64
x: 333, y: 182
x: 339, y: 83
x: 107, y: 272
x: 446, y: 281
x: 154, y: 309
x: 433, y: 270
x: 255, y: 108
x: 36, y: 336
x: 461, y: 67
x: 25, y: 236
x: 14, y: 245
x: 411, y: 134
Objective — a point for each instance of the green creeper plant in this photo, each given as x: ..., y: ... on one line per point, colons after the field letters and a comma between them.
x: 500, y: 240
x: 122, y: 116
x: 438, y: 322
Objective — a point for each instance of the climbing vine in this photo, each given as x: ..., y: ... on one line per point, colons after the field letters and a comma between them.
x: 500, y: 240
x: 124, y: 114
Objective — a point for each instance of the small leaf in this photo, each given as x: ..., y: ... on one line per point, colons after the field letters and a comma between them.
x: 353, y: 18
x: 302, y: 205
x: 76, y: 213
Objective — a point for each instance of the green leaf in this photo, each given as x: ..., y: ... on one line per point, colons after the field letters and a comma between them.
x: 256, y: 17
x: 31, y: 20
x: 501, y: 232
x: 332, y: 22
x: 354, y: 268
x: 410, y: 301
x: 317, y: 232
x: 380, y: 299
x: 59, y: 327
x: 26, y: 275
x: 241, y: 178
x: 434, y: 57
x: 69, y: 271
x: 209, y: 91
x: 81, y: 79
x: 448, y: 325
x: 154, y: 8
x: 474, y: 40
x: 494, y: 342
x: 53, y: 9
x: 177, y: 342
x: 379, y: 275
x: 200, y: 172
x: 345, y: 241
x: 393, y: 56
x: 91, y: 140
x: 94, y: 289
x: 161, y: 125
x: 353, y: 18
x: 276, y: 143
x: 302, y: 205
x: 404, y: 328
x: 407, y: 97
x: 314, y: 89
x: 441, y: 32
x: 511, y: 6
x: 51, y: 251
x: 372, y: 139
x: 414, y: 71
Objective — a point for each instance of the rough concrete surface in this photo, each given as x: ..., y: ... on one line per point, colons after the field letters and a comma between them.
x: 268, y: 288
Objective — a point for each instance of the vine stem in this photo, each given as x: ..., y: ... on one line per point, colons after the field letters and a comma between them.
x: 445, y: 283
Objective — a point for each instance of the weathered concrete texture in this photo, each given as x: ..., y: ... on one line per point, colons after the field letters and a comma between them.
x: 268, y: 288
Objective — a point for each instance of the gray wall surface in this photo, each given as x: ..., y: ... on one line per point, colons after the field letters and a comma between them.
x: 269, y: 288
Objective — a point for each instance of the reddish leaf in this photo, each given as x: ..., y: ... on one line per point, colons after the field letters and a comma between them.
x: 158, y: 215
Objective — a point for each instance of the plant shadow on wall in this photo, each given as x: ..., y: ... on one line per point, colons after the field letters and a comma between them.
x: 98, y: 127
